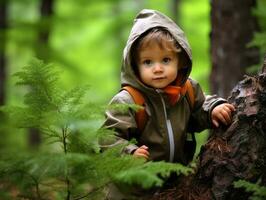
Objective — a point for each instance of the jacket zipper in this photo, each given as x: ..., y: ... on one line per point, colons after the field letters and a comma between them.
x: 169, y: 131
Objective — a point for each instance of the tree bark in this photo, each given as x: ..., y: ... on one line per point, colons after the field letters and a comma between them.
x: 3, y: 28
x: 233, y: 26
x: 231, y: 153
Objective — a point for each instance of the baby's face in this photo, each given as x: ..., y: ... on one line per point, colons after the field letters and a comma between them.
x: 157, y: 67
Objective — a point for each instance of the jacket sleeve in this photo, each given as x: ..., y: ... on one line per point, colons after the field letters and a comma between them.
x: 122, y: 122
x: 200, y: 118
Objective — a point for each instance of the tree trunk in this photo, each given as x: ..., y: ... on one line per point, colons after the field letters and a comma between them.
x: 44, y: 31
x: 174, y: 10
x: 42, y: 52
x: 233, y: 26
x: 3, y: 28
x: 231, y: 153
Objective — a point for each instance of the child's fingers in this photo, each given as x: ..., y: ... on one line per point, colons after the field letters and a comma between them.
x: 215, y: 123
x: 144, y: 147
x: 142, y: 152
x: 230, y: 106
x: 228, y: 109
x: 226, y: 116
x: 142, y: 155
x: 221, y: 118
x: 222, y: 114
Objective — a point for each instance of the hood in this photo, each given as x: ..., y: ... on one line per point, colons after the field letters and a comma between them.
x: 143, y: 22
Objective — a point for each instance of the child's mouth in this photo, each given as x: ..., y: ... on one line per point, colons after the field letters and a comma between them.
x: 158, y: 78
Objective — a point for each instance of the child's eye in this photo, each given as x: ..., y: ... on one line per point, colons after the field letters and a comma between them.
x: 166, y: 60
x: 147, y: 62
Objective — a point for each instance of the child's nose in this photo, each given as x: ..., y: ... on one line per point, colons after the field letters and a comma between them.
x: 157, y: 68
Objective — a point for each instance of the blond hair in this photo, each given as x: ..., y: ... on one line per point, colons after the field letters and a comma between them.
x: 160, y: 36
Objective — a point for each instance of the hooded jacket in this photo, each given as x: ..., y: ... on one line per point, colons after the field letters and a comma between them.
x: 167, y: 126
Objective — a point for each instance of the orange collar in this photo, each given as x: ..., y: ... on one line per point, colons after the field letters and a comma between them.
x: 174, y: 92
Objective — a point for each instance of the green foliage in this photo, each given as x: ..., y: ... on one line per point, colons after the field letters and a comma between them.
x: 258, y: 192
x: 259, y: 39
x: 260, y: 13
x: 146, y: 175
x: 70, y: 164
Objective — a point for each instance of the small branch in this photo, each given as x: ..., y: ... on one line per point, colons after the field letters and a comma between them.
x: 68, y: 188
x: 64, y: 139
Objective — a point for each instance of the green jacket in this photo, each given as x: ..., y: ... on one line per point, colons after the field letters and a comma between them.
x: 167, y: 126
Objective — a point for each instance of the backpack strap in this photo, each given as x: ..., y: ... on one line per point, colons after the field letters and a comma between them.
x: 190, y: 94
x: 141, y: 114
x: 190, y: 143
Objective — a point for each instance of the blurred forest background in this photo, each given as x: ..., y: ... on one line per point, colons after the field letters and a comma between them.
x: 85, y: 40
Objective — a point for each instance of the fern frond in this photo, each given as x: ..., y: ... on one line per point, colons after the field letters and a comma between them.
x: 74, y: 96
x: 140, y: 177
x: 259, y: 192
x: 151, y: 174
x: 42, y: 82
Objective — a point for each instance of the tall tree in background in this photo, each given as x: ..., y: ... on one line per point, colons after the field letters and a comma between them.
x: 116, y: 33
x: 174, y: 9
x: 233, y: 26
x: 42, y: 51
x: 3, y: 28
x: 44, y: 29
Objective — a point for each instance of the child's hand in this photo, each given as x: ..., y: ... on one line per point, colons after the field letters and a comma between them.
x: 222, y: 113
x: 142, y: 152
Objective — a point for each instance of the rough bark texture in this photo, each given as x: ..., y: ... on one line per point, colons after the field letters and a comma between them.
x: 231, y: 153
x: 233, y: 26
